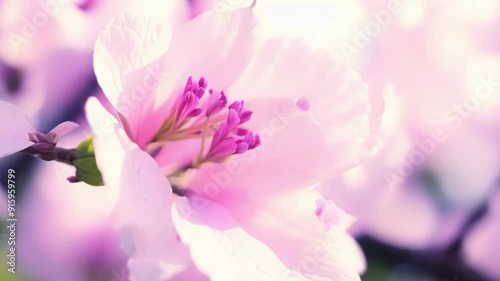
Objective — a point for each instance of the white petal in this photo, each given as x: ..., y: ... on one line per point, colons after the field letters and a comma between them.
x: 335, y: 94
x: 145, y: 198
x: 125, y: 62
x: 225, y: 252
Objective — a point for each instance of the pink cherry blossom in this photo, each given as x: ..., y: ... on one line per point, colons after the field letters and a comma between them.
x: 272, y: 118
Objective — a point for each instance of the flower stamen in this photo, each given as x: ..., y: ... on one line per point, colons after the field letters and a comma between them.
x: 213, y: 119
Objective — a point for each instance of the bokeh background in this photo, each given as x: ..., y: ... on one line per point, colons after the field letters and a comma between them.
x: 427, y: 201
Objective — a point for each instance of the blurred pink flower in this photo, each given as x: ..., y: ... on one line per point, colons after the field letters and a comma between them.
x: 33, y: 30
x: 47, y: 45
x: 431, y: 56
x: 418, y: 190
x: 445, y: 41
x: 309, y: 117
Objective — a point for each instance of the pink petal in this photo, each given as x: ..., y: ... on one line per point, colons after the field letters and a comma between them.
x: 332, y: 255
x: 62, y: 129
x: 125, y: 63
x: 145, y: 196
x: 224, y: 251
x: 291, y: 155
x: 191, y: 272
x: 14, y: 129
x: 335, y: 94
x: 175, y: 155
x: 216, y: 45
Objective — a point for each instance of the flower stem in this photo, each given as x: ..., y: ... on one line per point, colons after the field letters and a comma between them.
x: 199, y: 159
x: 63, y: 155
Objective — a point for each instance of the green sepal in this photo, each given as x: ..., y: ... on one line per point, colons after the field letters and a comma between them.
x: 85, y: 163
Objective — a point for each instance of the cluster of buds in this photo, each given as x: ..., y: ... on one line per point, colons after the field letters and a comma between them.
x: 198, y: 113
x: 82, y: 158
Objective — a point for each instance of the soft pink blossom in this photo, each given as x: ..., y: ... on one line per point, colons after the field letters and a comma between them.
x: 418, y: 190
x: 49, y: 43
x: 295, y: 126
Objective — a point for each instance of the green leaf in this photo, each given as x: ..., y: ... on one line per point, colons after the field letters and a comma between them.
x: 85, y: 163
x: 86, y: 148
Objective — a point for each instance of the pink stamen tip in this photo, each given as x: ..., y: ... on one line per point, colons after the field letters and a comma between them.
x: 242, y: 148
x: 197, y: 88
x: 202, y: 82
x: 233, y: 120
x: 241, y: 132
x: 256, y: 142
x: 237, y: 106
x: 200, y: 92
x: 303, y: 103
x: 195, y: 112
x: 187, y: 107
x: 245, y: 116
x: 228, y: 139
x: 189, y: 83
x: 216, y: 102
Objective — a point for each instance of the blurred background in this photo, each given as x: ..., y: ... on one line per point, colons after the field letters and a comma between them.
x: 427, y: 201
